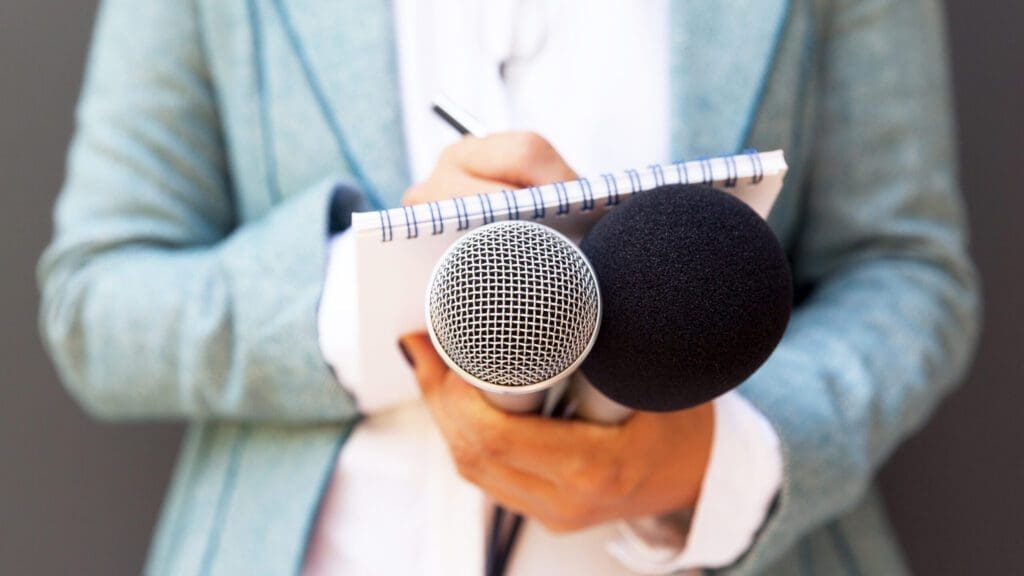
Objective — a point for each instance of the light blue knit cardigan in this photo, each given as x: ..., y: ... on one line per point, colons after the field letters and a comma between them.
x: 188, y: 257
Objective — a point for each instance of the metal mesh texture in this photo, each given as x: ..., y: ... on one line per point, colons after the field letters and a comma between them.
x: 514, y: 304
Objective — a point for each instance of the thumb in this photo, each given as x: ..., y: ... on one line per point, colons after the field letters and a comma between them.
x: 520, y: 158
x: 429, y: 368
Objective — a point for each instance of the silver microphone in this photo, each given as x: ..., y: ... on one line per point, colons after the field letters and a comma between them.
x: 513, y: 308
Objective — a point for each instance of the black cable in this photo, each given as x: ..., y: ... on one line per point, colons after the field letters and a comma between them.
x: 493, y: 559
x: 565, y: 408
x: 510, y: 544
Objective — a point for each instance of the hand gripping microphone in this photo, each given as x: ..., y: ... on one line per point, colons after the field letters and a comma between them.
x: 513, y: 308
x: 696, y: 293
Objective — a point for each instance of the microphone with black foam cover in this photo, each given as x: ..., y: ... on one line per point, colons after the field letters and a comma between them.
x: 696, y: 293
x: 513, y: 308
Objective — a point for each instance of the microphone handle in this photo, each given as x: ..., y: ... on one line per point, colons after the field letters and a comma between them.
x: 529, y: 403
x: 583, y: 401
x: 594, y: 406
x: 543, y: 402
x: 591, y: 405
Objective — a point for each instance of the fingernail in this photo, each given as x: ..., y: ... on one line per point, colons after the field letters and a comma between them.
x: 405, y: 354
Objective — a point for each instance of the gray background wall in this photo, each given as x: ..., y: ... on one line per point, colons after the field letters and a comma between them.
x: 80, y: 497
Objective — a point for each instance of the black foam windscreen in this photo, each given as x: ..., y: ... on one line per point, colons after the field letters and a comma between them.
x: 696, y: 293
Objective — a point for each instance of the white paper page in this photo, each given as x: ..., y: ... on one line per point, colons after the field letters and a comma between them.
x: 396, y: 250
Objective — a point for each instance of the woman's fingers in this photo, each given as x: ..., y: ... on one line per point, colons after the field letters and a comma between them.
x: 491, y: 164
x: 536, y: 498
x: 522, y: 158
x: 465, y: 418
x: 429, y: 368
x: 576, y: 455
x: 567, y: 474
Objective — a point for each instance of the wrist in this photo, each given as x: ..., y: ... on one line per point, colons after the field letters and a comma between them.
x: 739, y: 482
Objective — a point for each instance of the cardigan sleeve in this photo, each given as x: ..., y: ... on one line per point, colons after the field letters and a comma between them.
x: 892, y: 315
x: 156, y: 302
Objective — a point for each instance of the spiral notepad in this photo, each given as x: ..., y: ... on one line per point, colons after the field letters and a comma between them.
x: 396, y: 249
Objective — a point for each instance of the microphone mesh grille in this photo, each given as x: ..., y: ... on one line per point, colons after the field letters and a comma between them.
x: 514, y: 304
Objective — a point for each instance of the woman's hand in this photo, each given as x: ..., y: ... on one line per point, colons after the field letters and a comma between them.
x: 507, y: 160
x: 566, y: 474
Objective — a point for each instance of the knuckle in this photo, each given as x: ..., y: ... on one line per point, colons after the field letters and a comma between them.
x: 606, y: 479
x: 596, y: 481
x: 492, y: 441
x: 534, y: 146
x: 586, y: 475
x: 571, y: 518
x: 467, y: 460
x: 614, y: 482
x: 626, y: 481
x: 452, y: 152
x: 537, y: 145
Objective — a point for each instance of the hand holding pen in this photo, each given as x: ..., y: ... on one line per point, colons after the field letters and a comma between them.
x: 488, y: 163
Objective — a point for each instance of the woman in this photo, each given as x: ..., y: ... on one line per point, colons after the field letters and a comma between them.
x: 221, y: 146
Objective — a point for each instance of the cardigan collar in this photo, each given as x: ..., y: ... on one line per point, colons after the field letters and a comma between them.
x: 722, y: 55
